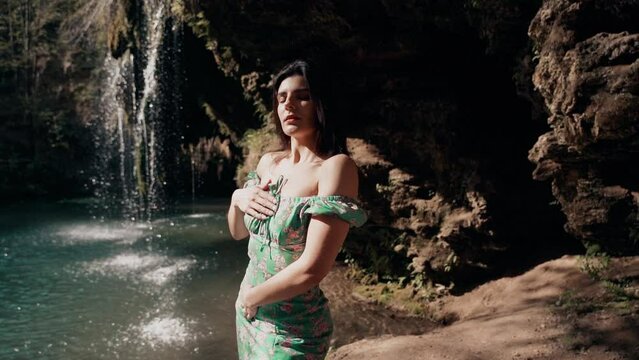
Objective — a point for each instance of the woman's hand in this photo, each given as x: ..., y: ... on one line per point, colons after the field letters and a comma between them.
x: 249, y: 312
x: 255, y: 201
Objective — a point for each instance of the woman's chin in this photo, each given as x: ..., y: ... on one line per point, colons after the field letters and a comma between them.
x: 295, y: 131
x: 291, y: 129
x: 289, y: 133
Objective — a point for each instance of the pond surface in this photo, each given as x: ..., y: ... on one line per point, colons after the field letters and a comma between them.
x: 73, y: 286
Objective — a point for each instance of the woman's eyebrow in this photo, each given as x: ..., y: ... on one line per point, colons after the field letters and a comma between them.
x: 294, y: 91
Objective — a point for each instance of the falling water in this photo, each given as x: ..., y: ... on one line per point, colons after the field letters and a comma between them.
x: 154, y: 12
x: 154, y: 285
x: 139, y: 119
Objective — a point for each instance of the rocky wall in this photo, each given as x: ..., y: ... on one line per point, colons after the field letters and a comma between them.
x: 588, y: 74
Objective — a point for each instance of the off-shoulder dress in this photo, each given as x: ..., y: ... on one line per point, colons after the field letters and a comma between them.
x: 300, y: 327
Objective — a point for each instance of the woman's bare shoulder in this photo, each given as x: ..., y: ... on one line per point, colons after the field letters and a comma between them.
x: 341, y: 162
x: 338, y: 175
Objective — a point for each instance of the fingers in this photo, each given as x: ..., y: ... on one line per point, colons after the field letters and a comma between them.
x: 259, y: 211
x: 256, y: 214
x: 250, y: 312
x: 263, y: 210
x: 261, y: 204
x: 266, y: 199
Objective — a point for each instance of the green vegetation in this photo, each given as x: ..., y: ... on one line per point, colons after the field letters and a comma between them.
x: 394, y: 296
x: 387, y: 278
x: 202, y: 28
x: 615, y: 295
x: 570, y: 302
x: 366, y: 248
x: 595, y: 262
x: 46, y: 98
x: 619, y: 290
x: 620, y: 294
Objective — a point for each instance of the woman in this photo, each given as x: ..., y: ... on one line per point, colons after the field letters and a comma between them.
x: 296, y: 207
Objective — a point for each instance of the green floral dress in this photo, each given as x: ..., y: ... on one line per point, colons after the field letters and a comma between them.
x: 300, y: 327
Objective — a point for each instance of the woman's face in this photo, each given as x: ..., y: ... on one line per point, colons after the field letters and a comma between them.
x: 295, y: 108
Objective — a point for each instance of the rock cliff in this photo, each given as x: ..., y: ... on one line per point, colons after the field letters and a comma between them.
x: 588, y: 75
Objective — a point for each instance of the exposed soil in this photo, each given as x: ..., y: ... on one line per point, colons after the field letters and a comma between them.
x: 567, y: 308
x: 355, y: 319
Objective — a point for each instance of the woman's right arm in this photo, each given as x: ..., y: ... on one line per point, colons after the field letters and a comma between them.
x: 253, y: 200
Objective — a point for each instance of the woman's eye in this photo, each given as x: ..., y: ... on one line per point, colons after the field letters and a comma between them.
x: 295, y: 97
x: 303, y: 96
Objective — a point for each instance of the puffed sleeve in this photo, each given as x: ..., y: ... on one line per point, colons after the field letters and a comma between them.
x: 252, y: 179
x: 344, y: 207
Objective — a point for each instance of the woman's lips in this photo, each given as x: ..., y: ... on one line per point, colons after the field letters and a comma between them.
x: 291, y: 119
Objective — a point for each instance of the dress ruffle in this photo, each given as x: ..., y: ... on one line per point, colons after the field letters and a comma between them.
x: 344, y: 207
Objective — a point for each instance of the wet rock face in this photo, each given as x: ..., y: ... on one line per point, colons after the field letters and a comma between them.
x: 588, y: 74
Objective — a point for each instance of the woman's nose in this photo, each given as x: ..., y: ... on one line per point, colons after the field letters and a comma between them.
x: 288, y: 104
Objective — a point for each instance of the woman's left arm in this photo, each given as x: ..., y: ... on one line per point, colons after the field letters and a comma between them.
x: 325, y: 236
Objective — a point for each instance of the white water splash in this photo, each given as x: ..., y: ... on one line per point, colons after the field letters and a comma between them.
x: 125, y: 264
x: 166, y: 330
x: 78, y: 234
x: 164, y: 274
x: 154, y: 269
x: 199, y: 216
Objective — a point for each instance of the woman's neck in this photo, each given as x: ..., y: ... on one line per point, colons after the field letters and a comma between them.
x: 302, y: 150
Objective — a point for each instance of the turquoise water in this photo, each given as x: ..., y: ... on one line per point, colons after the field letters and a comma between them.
x: 76, y: 287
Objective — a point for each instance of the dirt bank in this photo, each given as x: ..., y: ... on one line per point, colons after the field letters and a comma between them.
x: 566, y: 308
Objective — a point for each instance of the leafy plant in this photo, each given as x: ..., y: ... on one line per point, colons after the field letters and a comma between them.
x: 595, y: 262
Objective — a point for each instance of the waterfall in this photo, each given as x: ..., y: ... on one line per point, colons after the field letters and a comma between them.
x: 137, y: 132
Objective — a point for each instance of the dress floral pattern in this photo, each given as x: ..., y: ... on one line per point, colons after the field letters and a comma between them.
x: 300, y: 327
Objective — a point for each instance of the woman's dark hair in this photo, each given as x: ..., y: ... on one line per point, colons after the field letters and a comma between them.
x: 326, y: 141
